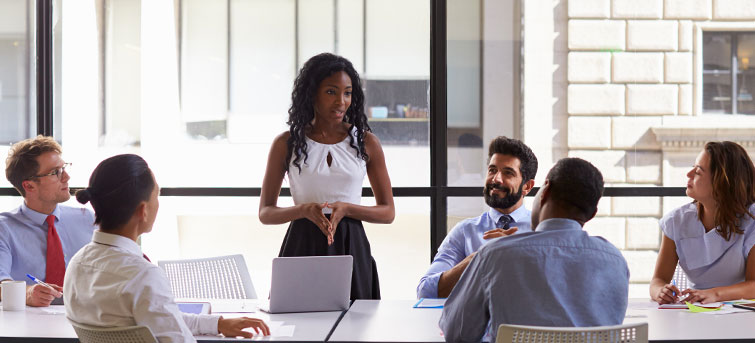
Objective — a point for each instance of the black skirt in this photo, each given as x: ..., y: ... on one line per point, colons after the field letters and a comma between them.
x: 304, y: 238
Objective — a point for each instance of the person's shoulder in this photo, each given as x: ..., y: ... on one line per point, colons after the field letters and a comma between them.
x: 282, y: 138
x: 600, y: 242
x: 677, y: 216
x: 81, y: 212
x: 9, y: 215
x: 471, y: 223
x: 748, y: 224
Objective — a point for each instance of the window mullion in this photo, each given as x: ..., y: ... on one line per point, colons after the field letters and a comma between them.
x: 734, y: 68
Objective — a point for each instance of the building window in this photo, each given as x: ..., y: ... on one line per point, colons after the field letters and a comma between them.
x: 728, y: 77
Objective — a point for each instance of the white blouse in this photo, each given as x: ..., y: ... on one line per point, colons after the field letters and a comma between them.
x: 110, y: 284
x: 319, y: 182
x: 707, y: 258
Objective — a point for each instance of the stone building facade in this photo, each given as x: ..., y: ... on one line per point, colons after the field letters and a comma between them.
x: 630, y: 101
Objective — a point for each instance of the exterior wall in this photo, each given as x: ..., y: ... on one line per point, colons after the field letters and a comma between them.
x: 634, y: 89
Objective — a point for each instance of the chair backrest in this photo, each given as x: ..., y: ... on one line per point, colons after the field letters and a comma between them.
x: 124, y: 334
x: 680, y: 277
x: 627, y: 333
x: 221, y: 277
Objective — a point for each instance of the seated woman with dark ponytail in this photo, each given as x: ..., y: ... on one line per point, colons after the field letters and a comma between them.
x: 110, y: 283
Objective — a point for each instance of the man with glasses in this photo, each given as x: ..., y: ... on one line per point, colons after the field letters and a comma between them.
x: 40, y: 236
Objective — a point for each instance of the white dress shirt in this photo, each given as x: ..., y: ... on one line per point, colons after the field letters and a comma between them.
x: 109, y: 283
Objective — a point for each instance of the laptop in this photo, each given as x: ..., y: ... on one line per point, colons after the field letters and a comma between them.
x: 310, y: 284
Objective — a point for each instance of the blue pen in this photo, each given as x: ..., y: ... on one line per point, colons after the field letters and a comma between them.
x: 673, y: 282
x: 40, y: 282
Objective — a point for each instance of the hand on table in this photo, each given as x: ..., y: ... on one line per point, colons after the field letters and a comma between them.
x: 41, y: 295
x: 705, y: 296
x: 668, y: 294
x: 495, y: 233
x: 313, y: 212
x: 234, y: 327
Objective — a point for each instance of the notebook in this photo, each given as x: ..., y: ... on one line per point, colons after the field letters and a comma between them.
x: 309, y: 284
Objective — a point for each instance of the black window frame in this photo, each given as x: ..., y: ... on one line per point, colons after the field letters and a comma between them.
x: 438, y: 191
x: 734, y: 70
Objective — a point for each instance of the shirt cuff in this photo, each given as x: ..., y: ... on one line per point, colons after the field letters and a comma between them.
x: 208, y: 324
x: 428, y: 286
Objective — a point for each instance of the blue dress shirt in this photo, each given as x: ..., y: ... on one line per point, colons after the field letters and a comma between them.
x: 23, y: 239
x: 464, y: 239
x: 708, y: 259
x: 556, y: 276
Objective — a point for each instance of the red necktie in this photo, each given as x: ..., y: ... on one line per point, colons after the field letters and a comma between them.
x: 146, y: 258
x: 56, y: 263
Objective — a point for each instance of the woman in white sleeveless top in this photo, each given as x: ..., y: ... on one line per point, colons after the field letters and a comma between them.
x: 326, y: 153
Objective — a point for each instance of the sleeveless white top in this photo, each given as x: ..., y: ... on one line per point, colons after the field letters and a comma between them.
x: 319, y: 182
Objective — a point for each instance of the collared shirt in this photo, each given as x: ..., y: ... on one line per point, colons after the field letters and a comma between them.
x: 462, y: 241
x: 556, y: 276
x: 23, y: 239
x: 708, y: 259
x: 109, y: 283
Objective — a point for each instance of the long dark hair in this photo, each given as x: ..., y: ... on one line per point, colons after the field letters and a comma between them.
x: 733, y: 180
x: 117, y: 186
x: 302, y: 111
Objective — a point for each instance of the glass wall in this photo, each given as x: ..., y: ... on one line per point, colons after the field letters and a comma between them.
x: 201, y: 88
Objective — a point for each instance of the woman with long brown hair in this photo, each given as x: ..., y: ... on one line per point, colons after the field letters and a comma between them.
x: 712, y: 237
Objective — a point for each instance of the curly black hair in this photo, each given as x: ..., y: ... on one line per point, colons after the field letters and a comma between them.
x: 302, y: 112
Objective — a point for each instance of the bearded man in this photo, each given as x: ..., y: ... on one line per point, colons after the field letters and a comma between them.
x: 510, y: 177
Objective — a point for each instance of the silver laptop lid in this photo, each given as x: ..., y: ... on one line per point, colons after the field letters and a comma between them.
x: 311, y: 284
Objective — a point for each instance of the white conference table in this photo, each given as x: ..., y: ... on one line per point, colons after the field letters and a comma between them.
x: 388, y: 321
x: 396, y: 321
x: 49, y: 324
x: 682, y: 325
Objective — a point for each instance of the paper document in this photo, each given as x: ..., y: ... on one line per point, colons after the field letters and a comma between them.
x: 277, y: 329
x: 53, y: 310
x: 727, y: 309
x: 683, y: 306
x: 430, y: 303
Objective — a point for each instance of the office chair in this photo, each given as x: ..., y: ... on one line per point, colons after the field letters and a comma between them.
x: 681, y: 278
x: 221, y: 277
x: 124, y: 334
x: 627, y: 333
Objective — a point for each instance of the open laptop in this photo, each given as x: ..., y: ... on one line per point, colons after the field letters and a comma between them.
x: 310, y: 284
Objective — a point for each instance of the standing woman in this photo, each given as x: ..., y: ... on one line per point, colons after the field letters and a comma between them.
x: 327, y: 152
x: 711, y: 237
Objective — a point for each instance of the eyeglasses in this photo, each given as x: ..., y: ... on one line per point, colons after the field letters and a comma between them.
x: 57, y: 172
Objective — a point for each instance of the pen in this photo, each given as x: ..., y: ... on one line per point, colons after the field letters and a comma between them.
x: 40, y: 282
x: 673, y: 282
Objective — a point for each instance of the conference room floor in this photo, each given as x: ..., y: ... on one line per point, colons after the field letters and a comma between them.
x: 391, y: 321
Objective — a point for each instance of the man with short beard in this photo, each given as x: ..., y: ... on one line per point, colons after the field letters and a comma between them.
x: 510, y: 177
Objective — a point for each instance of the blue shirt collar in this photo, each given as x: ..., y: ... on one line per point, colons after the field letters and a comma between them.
x: 558, y: 224
x: 39, y: 218
x: 519, y: 215
x: 116, y: 241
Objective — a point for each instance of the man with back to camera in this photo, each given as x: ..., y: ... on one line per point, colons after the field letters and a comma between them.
x: 557, y: 275
x: 40, y: 236
x: 510, y: 177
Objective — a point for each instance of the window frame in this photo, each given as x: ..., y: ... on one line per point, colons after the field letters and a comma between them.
x: 438, y: 191
x: 734, y: 37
